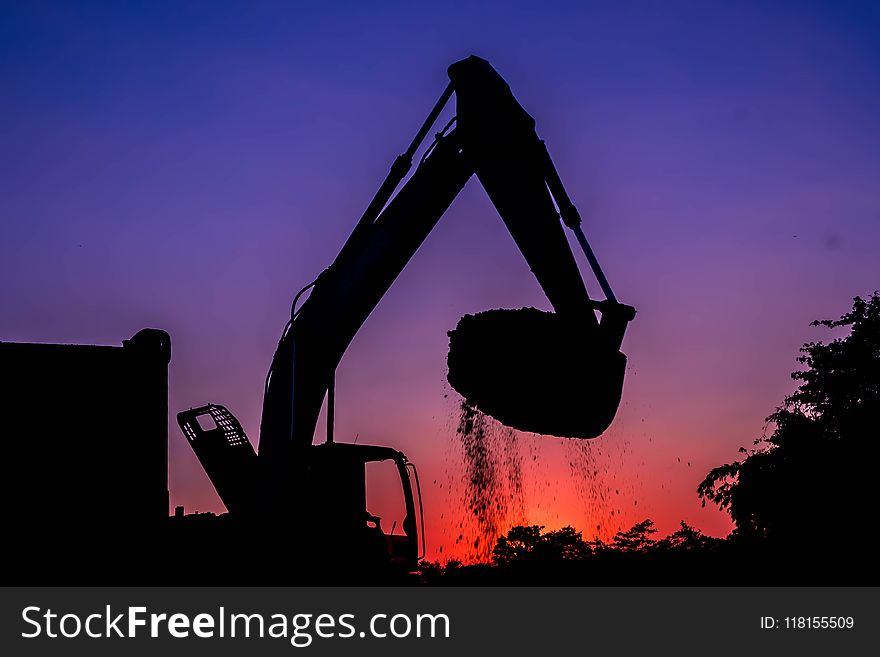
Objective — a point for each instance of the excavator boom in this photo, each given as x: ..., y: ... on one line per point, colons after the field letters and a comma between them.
x: 493, y: 138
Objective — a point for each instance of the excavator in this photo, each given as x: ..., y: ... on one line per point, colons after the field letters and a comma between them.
x: 558, y: 373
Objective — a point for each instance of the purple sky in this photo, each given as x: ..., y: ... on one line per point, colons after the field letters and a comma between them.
x: 189, y: 166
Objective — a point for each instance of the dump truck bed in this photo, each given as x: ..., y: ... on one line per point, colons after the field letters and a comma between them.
x: 85, y: 434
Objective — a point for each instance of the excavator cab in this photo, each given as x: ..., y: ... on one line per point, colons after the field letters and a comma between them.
x: 338, y: 503
x: 332, y: 495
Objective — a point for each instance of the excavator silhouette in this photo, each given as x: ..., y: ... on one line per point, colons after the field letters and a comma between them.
x: 558, y: 373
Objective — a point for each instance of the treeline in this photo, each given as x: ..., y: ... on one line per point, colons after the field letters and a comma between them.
x: 530, y: 555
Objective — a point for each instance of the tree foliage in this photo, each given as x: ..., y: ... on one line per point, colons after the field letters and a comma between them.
x: 814, y: 472
x: 637, y: 538
x: 519, y: 544
x: 687, y: 538
x: 523, y: 544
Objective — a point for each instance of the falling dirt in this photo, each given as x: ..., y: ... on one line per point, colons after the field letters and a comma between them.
x: 497, y: 477
x: 595, y: 470
x: 491, y: 487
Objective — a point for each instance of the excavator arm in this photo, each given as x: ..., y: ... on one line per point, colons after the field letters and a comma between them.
x: 494, y: 139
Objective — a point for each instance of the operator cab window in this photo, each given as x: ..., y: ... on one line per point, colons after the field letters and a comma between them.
x: 385, y: 498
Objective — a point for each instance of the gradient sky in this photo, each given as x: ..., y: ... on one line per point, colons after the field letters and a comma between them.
x: 189, y: 166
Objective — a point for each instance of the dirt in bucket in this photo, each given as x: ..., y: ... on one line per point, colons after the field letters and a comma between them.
x: 536, y: 371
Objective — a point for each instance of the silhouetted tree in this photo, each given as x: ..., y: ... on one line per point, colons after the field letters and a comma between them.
x: 430, y: 572
x: 813, y: 475
x: 520, y: 542
x: 637, y: 538
x: 687, y: 538
x: 524, y: 544
x: 566, y: 544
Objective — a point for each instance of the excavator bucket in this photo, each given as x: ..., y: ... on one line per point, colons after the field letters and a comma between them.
x: 537, y: 371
